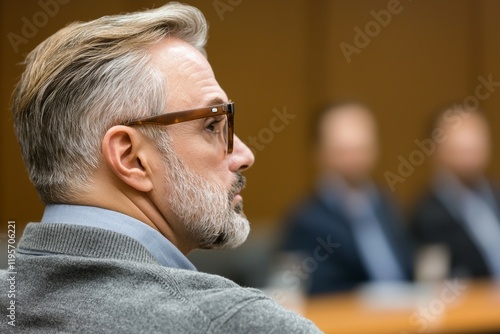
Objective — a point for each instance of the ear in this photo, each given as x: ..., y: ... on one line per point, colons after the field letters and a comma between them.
x: 124, y: 151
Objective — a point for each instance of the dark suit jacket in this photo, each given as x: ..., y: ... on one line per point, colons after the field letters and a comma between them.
x: 343, y: 269
x: 433, y: 223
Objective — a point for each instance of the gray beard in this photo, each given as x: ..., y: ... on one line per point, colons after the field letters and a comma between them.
x: 205, y: 209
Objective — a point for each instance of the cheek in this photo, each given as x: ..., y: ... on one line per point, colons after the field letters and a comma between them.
x: 154, y: 160
x: 200, y: 155
x: 210, y: 168
x: 159, y: 176
x: 204, y: 161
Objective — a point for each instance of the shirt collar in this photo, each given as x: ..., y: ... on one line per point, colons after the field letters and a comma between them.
x: 452, y: 192
x: 334, y: 190
x: 160, y: 247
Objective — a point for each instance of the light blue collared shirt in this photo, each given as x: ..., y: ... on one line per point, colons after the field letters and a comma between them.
x: 160, y: 247
x: 476, y: 210
x: 372, y: 242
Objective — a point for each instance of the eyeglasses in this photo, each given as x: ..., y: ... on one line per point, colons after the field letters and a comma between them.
x: 189, y: 115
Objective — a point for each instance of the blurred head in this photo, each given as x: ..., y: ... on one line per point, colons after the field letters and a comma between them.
x: 79, y: 87
x: 465, y: 150
x: 347, y: 141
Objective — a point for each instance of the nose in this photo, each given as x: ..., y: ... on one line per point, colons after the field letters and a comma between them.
x: 242, y: 157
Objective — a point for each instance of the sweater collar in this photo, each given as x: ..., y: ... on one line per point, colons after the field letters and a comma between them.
x: 160, y: 247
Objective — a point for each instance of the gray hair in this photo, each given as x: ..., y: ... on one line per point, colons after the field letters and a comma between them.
x: 86, y: 78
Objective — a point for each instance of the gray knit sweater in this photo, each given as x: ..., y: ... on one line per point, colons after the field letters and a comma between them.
x: 99, y: 281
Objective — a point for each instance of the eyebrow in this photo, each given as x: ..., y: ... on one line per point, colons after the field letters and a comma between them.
x: 216, y: 101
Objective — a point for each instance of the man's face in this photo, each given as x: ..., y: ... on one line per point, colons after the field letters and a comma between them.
x: 349, y: 143
x: 197, y: 184
x: 466, y: 150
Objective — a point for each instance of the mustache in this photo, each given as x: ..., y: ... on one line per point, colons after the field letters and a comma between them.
x: 238, y: 185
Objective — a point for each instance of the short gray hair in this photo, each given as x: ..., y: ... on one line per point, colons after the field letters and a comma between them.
x: 86, y: 78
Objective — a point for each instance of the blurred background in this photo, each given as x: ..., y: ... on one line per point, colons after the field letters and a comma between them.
x: 279, y: 60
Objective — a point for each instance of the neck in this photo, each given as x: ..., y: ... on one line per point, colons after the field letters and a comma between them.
x: 469, y: 180
x: 354, y: 183
x: 126, y: 200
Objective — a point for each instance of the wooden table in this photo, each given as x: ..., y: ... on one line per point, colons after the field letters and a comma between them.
x: 471, y: 309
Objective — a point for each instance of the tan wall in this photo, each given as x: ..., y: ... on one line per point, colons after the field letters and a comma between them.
x: 285, y: 54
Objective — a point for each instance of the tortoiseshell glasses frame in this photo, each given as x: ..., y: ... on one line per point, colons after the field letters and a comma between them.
x: 226, y: 109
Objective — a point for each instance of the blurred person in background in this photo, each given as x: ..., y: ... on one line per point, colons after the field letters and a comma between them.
x: 362, y: 227
x: 461, y: 211
x: 128, y: 139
